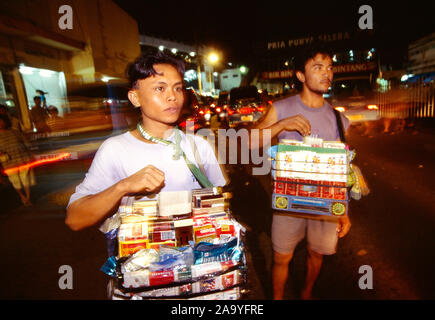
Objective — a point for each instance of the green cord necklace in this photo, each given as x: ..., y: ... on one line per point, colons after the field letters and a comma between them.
x: 202, y: 179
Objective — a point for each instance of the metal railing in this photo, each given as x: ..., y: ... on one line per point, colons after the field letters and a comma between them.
x: 414, y: 100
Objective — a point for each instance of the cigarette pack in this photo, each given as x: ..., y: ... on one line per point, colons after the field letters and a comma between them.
x: 183, y: 229
x: 156, y: 245
x: 127, y: 248
x: 207, y: 201
x: 208, y: 268
x: 220, y: 282
x: 133, y: 231
x: 174, y: 203
x: 161, y: 236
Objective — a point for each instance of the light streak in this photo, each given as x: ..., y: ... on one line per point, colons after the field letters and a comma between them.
x: 59, y: 157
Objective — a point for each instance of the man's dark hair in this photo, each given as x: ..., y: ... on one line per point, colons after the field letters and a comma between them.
x: 309, y: 52
x: 142, y: 67
x: 6, y: 120
x: 37, y: 98
x: 304, y: 55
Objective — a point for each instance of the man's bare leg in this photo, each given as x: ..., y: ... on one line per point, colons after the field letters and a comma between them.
x: 314, y: 264
x: 280, y: 273
x: 22, y: 196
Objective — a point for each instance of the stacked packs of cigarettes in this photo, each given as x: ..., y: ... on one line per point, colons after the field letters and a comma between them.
x: 311, y: 176
x: 192, y: 249
x: 209, y: 200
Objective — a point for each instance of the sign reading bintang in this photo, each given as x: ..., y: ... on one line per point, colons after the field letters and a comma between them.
x: 354, y: 67
x: 339, y: 36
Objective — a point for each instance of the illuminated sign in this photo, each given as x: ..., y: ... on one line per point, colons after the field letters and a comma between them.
x: 354, y: 67
x: 282, y: 74
x: 291, y: 43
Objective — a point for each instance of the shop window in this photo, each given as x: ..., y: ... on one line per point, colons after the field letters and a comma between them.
x: 51, y: 82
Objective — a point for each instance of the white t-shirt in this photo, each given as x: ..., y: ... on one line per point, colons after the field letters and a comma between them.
x: 121, y: 156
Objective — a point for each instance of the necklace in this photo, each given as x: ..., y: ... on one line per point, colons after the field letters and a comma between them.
x: 177, y: 148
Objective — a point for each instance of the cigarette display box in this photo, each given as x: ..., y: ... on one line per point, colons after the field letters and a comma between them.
x: 310, y: 179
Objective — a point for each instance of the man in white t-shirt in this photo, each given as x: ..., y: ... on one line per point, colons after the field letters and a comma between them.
x: 133, y: 163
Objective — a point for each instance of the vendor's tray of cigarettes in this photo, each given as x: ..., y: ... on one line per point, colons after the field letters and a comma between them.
x: 183, y: 245
x: 311, y: 176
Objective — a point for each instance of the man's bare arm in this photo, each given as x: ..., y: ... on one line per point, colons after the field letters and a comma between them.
x: 90, y: 210
x: 270, y: 122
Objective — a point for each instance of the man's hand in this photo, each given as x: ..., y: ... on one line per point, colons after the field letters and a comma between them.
x: 149, y: 180
x: 343, y: 226
x: 296, y: 123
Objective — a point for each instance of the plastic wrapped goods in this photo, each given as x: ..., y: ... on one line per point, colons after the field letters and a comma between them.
x: 184, y: 245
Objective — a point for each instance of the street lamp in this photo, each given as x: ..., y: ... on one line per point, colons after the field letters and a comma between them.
x: 213, y: 58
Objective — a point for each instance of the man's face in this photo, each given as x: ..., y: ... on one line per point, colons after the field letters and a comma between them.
x: 318, y: 74
x: 160, y: 97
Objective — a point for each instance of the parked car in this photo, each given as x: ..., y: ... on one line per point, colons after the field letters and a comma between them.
x: 245, y: 106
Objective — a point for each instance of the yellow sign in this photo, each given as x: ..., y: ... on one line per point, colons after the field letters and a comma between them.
x: 338, y: 209
x: 281, y: 202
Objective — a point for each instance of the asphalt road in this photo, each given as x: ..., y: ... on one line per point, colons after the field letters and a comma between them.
x: 392, y: 230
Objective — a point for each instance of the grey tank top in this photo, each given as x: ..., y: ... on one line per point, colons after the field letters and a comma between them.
x: 322, y: 120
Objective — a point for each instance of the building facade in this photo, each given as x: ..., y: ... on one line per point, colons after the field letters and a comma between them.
x: 421, y: 55
x: 55, y: 46
x: 353, y: 52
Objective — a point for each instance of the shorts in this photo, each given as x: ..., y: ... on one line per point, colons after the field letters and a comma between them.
x: 22, y: 178
x: 288, y: 231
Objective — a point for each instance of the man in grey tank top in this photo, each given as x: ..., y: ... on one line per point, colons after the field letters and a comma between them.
x: 293, y: 118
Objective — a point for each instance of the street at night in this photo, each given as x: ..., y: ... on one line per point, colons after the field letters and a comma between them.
x: 116, y: 185
x: 391, y: 231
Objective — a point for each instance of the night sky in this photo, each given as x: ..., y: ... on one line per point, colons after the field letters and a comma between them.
x: 235, y: 26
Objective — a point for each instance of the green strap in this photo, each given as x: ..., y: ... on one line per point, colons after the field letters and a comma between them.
x: 202, y: 179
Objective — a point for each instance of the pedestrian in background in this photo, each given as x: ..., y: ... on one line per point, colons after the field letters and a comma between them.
x: 39, y: 115
x: 54, y: 121
x: 14, y: 155
x: 15, y: 122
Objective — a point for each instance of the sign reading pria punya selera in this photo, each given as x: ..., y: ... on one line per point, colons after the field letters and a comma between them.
x: 291, y: 43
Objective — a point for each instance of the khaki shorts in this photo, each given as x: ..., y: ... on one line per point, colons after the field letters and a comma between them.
x: 288, y: 231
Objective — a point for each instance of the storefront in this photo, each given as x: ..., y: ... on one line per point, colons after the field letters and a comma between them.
x: 38, y: 58
x: 48, y: 84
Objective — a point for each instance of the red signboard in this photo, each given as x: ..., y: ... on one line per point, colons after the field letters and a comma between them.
x: 282, y: 74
